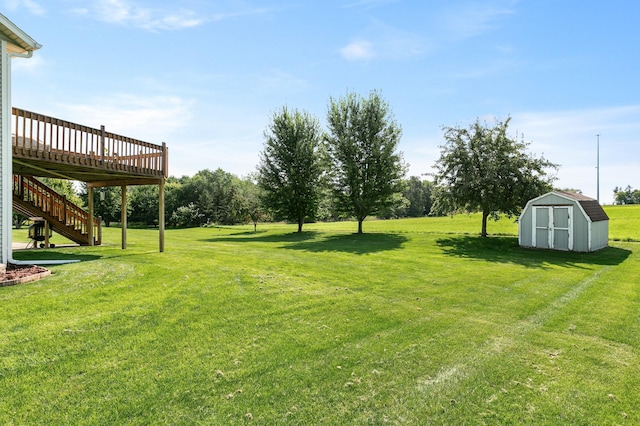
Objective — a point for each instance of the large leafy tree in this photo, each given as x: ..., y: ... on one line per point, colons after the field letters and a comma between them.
x: 368, y: 172
x: 142, y: 203
x: 482, y: 169
x: 291, y: 167
x: 215, y: 194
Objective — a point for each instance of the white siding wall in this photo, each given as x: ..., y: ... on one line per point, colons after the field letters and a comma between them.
x: 3, y: 135
x: 6, y: 199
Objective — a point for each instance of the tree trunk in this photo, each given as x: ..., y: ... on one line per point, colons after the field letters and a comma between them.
x: 485, y: 215
x: 300, y: 222
x: 360, y: 226
x: 255, y: 227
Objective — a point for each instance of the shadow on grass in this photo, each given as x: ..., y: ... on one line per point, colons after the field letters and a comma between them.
x: 507, y: 250
x: 31, y: 255
x: 250, y: 236
x: 249, y: 233
x: 311, y: 241
x: 353, y: 243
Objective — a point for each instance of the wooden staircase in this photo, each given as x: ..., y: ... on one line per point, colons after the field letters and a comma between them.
x: 33, y: 198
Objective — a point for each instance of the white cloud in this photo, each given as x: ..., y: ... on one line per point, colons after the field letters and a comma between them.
x: 152, y: 119
x: 28, y: 65
x: 131, y: 13
x: 32, y: 6
x: 125, y: 12
x: 386, y: 42
x: 358, y: 50
x: 569, y: 138
x: 473, y: 19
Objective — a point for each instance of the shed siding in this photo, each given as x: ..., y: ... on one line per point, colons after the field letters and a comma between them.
x: 580, y: 230
x: 586, y: 235
x: 599, y: 235
x: 551, y: 199
x: 525, y: 225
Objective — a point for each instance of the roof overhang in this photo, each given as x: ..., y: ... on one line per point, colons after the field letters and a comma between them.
x: 17, y: 40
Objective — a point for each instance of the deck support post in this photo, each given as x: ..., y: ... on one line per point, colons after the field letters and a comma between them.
x: 47, y: 230
x: 90, y: 214
x: 161, y: 214
x: 123, y: 219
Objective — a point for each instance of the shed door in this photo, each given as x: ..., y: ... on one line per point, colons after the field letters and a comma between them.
x: 541, y: 227
x: 552, y: 227
x: 562, y: 228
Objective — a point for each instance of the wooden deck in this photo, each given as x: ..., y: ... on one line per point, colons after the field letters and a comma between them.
x: 50, y: 147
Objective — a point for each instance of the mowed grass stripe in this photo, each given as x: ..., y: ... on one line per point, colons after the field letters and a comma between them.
x: 326, y: 327
x: 555, y: 376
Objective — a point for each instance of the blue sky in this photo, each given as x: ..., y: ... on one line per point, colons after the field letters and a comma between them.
x: 205, y: 76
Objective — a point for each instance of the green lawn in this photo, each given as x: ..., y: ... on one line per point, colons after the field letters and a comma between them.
x: 417, y: 321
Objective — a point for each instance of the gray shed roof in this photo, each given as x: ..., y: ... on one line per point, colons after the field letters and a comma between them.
x: 591, y: 206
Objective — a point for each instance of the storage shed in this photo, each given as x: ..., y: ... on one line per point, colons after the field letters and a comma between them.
x: 566, y: 221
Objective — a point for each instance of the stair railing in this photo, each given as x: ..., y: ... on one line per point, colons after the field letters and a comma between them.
x: 57, y: 206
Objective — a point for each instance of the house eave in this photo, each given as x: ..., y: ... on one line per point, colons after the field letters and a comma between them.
x: 18, y: 42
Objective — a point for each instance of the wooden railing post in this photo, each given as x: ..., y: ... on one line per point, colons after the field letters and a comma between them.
x: 165, y: 160
x: 101, y: 144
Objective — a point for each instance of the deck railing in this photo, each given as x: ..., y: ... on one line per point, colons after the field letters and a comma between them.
x: 55, y: 205
x: 39, y: 136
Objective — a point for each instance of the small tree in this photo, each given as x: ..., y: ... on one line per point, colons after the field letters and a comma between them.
x: 186, y: 216
x: 252, y: 208
x: 18, y: 220
x: 290, y: 170
x: 482, y: 169
x: 627, y: 195
x: 418, y: 193
x: 367, y: 171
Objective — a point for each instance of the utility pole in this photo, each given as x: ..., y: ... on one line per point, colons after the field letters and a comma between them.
x: 598, y: 167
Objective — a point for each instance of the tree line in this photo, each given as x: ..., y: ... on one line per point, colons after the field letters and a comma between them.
x: 351, y: 169
x: 627, y: 195
x: 222, y: 198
